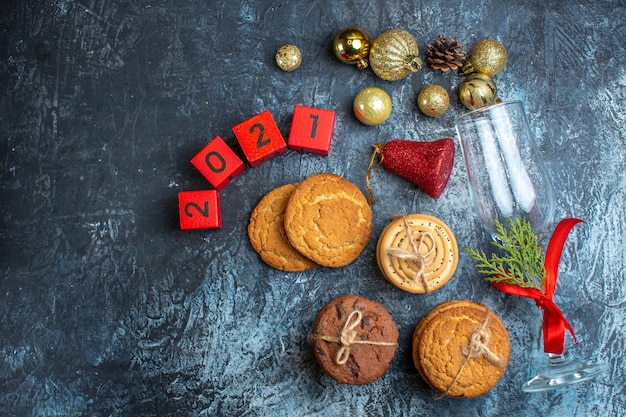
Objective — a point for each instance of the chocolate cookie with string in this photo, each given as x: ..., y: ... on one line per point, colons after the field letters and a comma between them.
x: 354, y: 339
x: 417, y: 253
x: 461, y: 349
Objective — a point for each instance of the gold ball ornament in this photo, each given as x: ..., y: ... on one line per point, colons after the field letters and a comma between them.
x: 394, y: 55
x: 433, y: 100
x: 352, y: 46
x: 288, y: 57
x: 487, y: 57
x: 372, y: 106
x: 478, y: 90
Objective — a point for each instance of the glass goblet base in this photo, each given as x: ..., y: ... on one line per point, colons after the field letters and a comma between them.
x: 563, y: 370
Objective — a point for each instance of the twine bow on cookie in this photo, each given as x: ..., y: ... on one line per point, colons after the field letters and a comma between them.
x: 348, y: 337
x: 414, y: 254
x: 478, y: 346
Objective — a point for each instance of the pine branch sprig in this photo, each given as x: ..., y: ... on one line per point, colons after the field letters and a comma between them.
x: 520, y: 261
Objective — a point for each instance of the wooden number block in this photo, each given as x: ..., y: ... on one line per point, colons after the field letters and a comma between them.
x: 218, y: 163
x: 260, y: 139
x: 311, y: 130
x: 199, y: 209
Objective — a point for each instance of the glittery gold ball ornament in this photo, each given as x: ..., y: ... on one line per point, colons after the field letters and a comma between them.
x: 351, y: 46
x: 487, y: 56
x: 433, y: 100
x: 372, y: 106
x: 394, y: 55
x: 477, y: 90
x: 288, y: 57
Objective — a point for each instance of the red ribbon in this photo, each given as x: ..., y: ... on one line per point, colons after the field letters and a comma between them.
x: 554, y: 323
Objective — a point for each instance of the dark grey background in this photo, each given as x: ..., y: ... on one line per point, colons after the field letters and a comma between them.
x: 109, y: 309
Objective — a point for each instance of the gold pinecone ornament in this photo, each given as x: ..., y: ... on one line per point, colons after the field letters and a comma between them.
x: 445, y: 55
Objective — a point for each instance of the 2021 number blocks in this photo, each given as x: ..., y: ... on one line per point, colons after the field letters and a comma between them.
x: 260, y: 140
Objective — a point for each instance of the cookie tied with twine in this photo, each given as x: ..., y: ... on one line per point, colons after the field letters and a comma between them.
x: 354, y: 339
x: 461, y: 349
x: 417, y: 253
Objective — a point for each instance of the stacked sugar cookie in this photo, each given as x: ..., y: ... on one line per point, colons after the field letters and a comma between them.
x: 461, y: 349
x: 324, y: 220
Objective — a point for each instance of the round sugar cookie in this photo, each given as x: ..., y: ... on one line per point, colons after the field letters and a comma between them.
x: 328, y: 220
x: 354, y: 339
x: 461, y: 349
x: 267, y: 233
x: 420, y: 266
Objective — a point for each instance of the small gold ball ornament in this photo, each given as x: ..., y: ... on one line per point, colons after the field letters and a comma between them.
x: 394, y: 55
x: 433, y: 100
x: 478, y: 90
x: 288, y: 57
x: 352, y: 46
x: 487, y: 56
x: 372, y: 106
